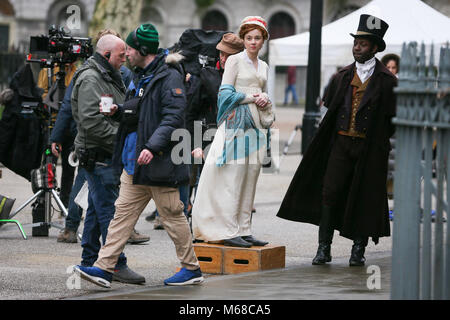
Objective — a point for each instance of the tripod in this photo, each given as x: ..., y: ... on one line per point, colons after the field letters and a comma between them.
x: 48, y: 190
x: 289, y: 142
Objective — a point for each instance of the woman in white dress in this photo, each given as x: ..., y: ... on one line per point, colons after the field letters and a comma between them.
x: 226, y: 190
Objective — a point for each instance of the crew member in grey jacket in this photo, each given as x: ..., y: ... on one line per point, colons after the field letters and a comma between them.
x: 94, y: 145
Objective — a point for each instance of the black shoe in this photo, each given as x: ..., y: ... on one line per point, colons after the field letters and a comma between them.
x: 255, y: 242
x: 326, y: 232
x: 151, y: 217
x: 126, y: 275
x: 357, y: 258
x: 323, y: 254
x: 237, y: 242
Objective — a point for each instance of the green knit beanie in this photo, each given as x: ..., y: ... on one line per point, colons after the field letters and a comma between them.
x: 146, y: 36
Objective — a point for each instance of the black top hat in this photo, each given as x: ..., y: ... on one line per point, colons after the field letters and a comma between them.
x: 373, y: 28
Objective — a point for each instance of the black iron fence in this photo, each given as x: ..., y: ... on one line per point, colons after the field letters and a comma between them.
x: 9, y: 64
x: 421, y: 249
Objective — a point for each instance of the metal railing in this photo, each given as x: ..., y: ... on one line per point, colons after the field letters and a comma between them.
x: 421, y: 238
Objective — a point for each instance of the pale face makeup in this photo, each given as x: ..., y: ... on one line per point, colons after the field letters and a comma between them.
x: 253, y: 42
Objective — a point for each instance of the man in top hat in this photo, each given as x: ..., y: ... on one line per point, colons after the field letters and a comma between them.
x: 340, y: 183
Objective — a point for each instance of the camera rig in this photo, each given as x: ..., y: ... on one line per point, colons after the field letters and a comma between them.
x: 60, y: 46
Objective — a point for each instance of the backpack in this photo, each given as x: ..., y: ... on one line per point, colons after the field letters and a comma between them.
x: 199, y: 49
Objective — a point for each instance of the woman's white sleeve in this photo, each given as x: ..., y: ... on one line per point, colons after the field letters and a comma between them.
x: 264, y: 89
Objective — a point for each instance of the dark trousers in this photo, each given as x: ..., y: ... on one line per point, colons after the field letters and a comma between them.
x: 68, y: 171
x: 340, y: 169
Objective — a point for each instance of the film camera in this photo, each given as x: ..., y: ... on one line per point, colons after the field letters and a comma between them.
x: 62, y: 47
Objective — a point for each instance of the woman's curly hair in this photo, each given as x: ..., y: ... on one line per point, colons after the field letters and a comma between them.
x: 246, y: 28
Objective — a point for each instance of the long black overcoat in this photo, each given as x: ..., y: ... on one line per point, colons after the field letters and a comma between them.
x: 364, y: 211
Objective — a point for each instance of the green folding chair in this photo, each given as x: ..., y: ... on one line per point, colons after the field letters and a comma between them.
x: 6, y: 205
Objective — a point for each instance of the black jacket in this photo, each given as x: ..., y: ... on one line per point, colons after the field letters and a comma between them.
x: 161, y: 111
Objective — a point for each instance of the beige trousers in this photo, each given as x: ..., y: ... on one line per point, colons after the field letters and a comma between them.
x: 131, y: 202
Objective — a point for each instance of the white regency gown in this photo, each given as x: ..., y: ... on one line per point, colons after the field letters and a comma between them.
x: 225, y: 195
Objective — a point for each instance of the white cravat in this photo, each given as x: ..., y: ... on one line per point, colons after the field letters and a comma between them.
x: 365, y: 70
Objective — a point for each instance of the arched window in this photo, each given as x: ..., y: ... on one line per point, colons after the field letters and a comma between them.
x: 4, y: 37
x: 7, y: 11
x: 150, y: 14
x: 281, y: 25
x: 215, y: 20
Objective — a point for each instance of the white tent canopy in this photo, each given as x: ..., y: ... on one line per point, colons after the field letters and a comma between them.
x: 409, y: 20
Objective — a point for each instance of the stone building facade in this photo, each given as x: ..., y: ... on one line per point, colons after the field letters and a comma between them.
x: 23, y: 18
x: 20, y: 19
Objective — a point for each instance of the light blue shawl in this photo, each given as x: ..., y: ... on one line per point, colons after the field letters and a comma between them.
x: 242, y: 137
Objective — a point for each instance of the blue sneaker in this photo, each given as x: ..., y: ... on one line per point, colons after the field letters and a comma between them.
x: 391, y: 215
x: 185, y: 277
x: 95, y: 275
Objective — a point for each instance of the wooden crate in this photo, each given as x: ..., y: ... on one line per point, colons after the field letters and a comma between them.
x: 210, y: 257
x: 220, y: 259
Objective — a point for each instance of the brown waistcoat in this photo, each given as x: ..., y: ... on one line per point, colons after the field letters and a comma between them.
x: 358, y: 89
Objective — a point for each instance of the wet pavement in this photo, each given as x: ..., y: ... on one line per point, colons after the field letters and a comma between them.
x: 334, y: 281
x: 40, y: 268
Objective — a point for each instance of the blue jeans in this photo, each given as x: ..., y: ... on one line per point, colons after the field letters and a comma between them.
x: 103, y: 191
x: 74, y: 212
x: 290, y: 88
x: 184, y: 197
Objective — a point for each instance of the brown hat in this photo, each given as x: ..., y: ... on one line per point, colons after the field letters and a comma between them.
x: 230, y: 44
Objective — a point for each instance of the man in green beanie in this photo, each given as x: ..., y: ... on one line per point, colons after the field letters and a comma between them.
x: 154, y: 107
x: 144, y: 39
